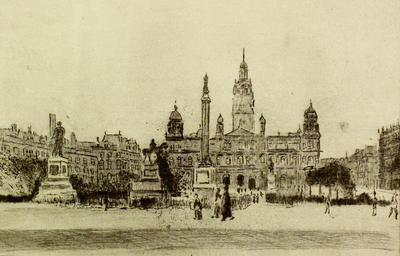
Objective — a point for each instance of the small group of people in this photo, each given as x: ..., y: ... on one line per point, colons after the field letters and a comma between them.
x: 394, y: 206
x: 222, y: 206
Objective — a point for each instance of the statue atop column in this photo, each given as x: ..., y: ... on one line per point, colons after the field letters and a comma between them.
x: 58, y: 139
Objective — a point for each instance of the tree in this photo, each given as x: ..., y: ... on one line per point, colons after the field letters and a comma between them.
x: 332, y: 175
x: 168, y: 181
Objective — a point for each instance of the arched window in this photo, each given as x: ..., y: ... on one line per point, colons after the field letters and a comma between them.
x: 190, y: 161
x: 262, y: 158
x: 101, y: 164
x: 228, y: 160
x: 252, y: 184
x: 239, y: 160
x: 219, y: 159
x: 171, y: 161
x: 179, y: 159
x: 226, y: 179
x: 248, y: 159
x: 240, y: 180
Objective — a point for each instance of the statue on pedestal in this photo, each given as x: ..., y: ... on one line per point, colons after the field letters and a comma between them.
x: 58, y: 139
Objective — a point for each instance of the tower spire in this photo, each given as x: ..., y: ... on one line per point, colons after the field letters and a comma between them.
x: 243, y: 54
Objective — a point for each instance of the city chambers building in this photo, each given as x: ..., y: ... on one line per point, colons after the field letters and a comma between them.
x: 242, y: 157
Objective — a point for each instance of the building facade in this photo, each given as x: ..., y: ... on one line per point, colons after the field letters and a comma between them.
x: 389, y: 157
x: 94, y: 162
x: 19, y: 143
x: 241, y: 156
x: 364, y: 167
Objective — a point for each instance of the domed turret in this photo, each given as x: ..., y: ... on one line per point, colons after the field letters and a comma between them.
x: 175, y: 115
x: 175, y: 125
x: 310, y: 111
x: 311, y: 125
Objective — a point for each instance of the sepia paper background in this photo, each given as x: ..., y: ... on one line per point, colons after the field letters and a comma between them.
x: 121, y: 65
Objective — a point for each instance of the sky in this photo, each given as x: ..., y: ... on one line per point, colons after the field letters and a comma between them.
x: 121, y: 65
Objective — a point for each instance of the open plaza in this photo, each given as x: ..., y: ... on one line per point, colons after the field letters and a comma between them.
x: 304, y: 229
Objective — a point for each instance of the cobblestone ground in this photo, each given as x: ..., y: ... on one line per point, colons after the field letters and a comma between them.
x: 29, y: 229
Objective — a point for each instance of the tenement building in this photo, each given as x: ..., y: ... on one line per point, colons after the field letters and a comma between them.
x: 364, y: 167
x: 389, y: 156
x: 19, y: 143
x: 241, y: 155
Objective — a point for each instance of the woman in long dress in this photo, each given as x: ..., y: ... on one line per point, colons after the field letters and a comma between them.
x: 226, y: 205
x: 217, y: 204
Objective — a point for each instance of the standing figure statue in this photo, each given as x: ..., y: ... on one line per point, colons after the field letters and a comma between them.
x: 270, y: 166
x: 58, y: 138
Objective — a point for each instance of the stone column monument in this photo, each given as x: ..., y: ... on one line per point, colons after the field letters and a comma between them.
x: 204, y: 174
x: 56, y: 186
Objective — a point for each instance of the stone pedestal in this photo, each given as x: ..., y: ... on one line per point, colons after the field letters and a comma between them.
x: 56, y: 187
x: 204, y: 182
x: 149, y: 185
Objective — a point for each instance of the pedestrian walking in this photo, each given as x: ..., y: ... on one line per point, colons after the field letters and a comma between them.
x: 328, y: 204
x: 106, y: 203
x: 394, y: 206
x: 217, y: 203
x: 226, y: 205
x: 197, y: 208
x: 374, y: 205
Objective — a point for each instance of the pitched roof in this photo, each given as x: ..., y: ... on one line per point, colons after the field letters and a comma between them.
x: 240, y: 132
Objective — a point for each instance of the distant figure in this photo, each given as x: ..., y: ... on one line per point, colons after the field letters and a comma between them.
x: 58, y: 137
x: 217, y: 203
x: 393, y: 206
x: 197, y: 208
x: 226, y: 205
x: 374, y: 204
x: 106, y: 203
x: 328, y: 204
x: 191, y: 200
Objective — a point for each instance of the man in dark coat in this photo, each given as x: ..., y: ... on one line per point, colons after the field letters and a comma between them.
x: 197, y: 208
x: 226, y: 205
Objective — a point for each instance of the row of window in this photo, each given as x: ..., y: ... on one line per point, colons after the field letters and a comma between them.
x: 24, y: 151
x: 120, y: 165
x: 77, y: 170
x: 84, y: 160
x: 248, y: 160
x: 110, y: 154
